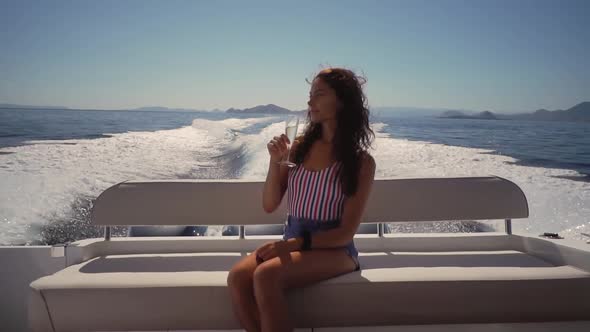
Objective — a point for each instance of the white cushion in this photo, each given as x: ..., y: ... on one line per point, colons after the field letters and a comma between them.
x: 189, y: 291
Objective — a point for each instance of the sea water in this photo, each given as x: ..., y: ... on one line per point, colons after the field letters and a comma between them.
x: 53, y: 163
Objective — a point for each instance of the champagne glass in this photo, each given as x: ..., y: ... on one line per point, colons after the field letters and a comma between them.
x: 291, y: 126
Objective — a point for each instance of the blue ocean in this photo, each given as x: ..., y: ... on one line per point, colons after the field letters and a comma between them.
x: 53, y: 163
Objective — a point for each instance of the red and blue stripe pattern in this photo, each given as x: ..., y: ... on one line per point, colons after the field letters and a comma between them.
x: 315, y: 194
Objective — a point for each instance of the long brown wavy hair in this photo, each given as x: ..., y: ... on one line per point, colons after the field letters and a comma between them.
x: 353, y: 136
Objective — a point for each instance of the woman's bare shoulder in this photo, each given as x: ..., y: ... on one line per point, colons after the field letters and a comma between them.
x: 366, y: 157
x: 367, y: 162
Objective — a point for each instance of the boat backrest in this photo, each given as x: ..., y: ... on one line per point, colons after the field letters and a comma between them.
x: 237, y: 202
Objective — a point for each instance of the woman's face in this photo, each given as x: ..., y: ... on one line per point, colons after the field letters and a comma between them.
x: 323, y: 103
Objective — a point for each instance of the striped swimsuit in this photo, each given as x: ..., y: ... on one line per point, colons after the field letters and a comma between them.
x: 315, y: 202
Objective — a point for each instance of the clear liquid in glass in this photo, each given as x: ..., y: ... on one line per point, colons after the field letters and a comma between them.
x: 291, y: 126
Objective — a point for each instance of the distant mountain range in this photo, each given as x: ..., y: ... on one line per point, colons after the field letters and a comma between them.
x: 264, y: 109
x: 485, y: 115
x: 578, y: 113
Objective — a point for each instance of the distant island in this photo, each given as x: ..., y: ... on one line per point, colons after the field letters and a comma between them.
x: 263, y: 109
x: 578, y: 113
x: 485, y: 115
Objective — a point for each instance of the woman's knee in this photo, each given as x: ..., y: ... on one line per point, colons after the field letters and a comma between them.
x: 267, y: 275
x: 239, y: 277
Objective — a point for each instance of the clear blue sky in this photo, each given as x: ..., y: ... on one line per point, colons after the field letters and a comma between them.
x: 499, y: 55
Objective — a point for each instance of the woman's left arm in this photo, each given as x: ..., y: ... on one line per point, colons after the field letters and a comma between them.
x: 354, y: 207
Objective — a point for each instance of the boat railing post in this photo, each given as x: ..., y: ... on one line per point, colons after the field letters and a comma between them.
x: 380, y: 229
x: 508, y: 225
x: 107, y: 233
x: 242, y: 231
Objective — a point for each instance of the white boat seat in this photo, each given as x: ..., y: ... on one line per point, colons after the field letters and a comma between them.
x: 189, y: 291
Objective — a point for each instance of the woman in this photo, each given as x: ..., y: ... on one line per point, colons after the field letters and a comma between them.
x: 327, y: 192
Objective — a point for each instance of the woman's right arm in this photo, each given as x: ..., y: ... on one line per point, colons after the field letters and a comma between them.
x: 276, y: 178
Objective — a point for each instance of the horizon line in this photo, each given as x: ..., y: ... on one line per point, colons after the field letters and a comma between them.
x: 216, y: 109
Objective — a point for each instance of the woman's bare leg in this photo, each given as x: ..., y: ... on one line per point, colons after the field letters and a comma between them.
x: 298, y: 269
x: 241, y: 286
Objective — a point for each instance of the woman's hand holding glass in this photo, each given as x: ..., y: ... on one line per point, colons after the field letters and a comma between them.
x: 278, y: 148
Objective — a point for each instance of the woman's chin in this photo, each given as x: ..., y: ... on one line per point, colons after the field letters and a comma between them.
x: 314, y: 117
